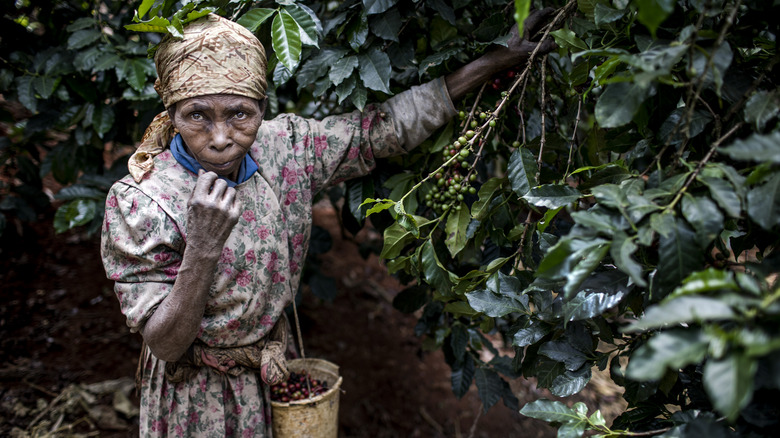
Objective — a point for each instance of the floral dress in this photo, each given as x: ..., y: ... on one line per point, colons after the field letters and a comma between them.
x: 144, y: 238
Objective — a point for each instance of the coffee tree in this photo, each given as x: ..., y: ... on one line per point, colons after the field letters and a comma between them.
x: 612, y: 205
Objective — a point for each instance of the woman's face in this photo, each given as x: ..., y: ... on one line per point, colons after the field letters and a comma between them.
x: 218, y: 130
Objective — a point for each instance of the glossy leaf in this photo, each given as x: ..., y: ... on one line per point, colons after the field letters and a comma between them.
x: 619, y: 103
x: 307, y: 27
x: 686, y: 309
x: 459, y: 340
x: 679, y: 254
x: 552, y: 195
x: 671, y: 349
x: 378, y: 6
x: 254, y: 18
x: 653, y: 12
x: 375, y: 70
x: 396, y: 238
x: 495, y: 305
x: 764, y: 203
x: 486, y: 194
x: 435, y: 274
x: 729, y: 383
x: 457, y: 223
x: 489, y: 386
x: 757, y: 147
x: 73, y: 214
x: 462, y: 376
x: 342, y: 69
x: 550, y: 411
x: 705, y: 217
x: 286, y: 39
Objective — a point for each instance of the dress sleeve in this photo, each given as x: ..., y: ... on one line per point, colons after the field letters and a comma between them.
x: 141, y: 248
x: 346, y: 146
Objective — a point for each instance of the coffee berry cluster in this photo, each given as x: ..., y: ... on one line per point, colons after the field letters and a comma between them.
x: 296, y: 388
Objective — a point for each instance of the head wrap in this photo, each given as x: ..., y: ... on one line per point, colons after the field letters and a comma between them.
x: 215, y: 56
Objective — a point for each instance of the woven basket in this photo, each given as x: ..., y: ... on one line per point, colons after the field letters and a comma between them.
x: 315, y: 417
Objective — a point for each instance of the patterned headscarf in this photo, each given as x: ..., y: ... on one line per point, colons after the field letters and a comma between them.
x: 216, y: 56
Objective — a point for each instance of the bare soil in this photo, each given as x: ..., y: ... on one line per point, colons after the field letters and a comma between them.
x: 60, y: 325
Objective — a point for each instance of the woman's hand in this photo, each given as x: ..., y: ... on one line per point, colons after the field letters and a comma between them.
x: 517, y: 51
x: 212, y: 213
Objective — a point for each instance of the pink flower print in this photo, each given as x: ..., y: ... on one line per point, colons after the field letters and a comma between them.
x: 250, y: 256
x: 281, y: 134
x: 233, y: 324
x: 263, y: 232
x: 227, y: 256
x: 172, y: 270
x: 293, y: 266
x: 248, y: 215
x: 366, y: 122
x: 112, y: 202
x: 179, y: 430
x: 134, y: 207
x: 297, y: 240
x: 289, y: 174
x: 277, y: 278
x: 162, y: 257
x: 270, y: 261
x: 306, y: 141
x: 247, y: 433
x: 267, y: 321
x: 244, y: 278
x: 165, y: 196
x: 159, y: 425
x: 203, y: 386
x: 320, y: 144
x: 291, y: 197
x: 353, y: 153
x: 309, y: 168
x: 368, y: 153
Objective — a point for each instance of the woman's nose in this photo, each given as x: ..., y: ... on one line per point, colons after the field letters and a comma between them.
x: 220, y: 137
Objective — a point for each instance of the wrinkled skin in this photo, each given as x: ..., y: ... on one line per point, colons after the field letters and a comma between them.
x: 218, y: 131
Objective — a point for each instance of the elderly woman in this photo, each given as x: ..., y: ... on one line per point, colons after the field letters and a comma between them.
x: 206, y: 238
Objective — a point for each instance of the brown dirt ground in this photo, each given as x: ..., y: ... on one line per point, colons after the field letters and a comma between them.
x: 60, y: 325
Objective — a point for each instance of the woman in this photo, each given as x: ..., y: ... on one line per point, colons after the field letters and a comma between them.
x: 206, y: 238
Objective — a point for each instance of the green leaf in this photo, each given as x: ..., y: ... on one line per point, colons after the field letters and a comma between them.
x: 722, y: 191
x: 286, y: 39
x: 102, y: 119
x: 763, y: 203
x: 45, y: 85
x: 74, y: 214
x: 562, y: 351
x: 83, y: 38
x: 567, y: 39
x: 144, y: 7
x: 435, y: 274
x: 552, y: 195
x: 359, y: 96
x: 375, y: 70
x: 387, y: 25
x: 462, y: 377
x: 618, y: 104
x: 522, y: 10
x: 757, y: 147
x: 489, y: 387
x: 459, y: 339
x: 622, y: 252
x: 495, y: 305
x: 603, y: 14
x: 255, y: 17
x: 396, y: 238
x: 480, y: 208
x: 522, y: 170
x: 572, y: 430
x: 457, y: 223
x: 342, y: 69
x: 761, y: 108
x: 729, y: 383
x: 549, y: 411
x: 106, y: 61
x: 531, y: 334
x: 705, y: 217
x: 377, y: 6
x: 78, y: 191
x: 721, y: 60
x: 587, y: 304
x: 570, y: 382
x: 653, y: 12
x: 136, y: 76
x: 307, y: 27
x: 154, y: 24
x: 26, y: 93
x: 679, y: 254
x: 709, y: 280
x: 685, y: 309
x: 411, y: 299
x: 672, y: 349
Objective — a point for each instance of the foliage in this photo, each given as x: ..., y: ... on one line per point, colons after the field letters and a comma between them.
x: 614, y: 205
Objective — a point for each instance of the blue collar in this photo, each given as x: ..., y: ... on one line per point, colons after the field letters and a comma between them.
x: 247, y: 169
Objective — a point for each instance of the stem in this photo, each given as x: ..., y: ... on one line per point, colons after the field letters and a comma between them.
x: 701, y: 164
x: 573, y: 137
x: 543, y: 138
